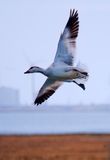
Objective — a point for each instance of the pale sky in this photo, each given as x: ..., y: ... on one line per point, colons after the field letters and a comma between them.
x: 29, y: 33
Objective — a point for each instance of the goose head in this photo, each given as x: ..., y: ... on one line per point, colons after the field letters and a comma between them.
x: 32, y: 70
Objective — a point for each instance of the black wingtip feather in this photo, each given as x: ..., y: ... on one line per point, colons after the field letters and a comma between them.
x: 44, y: 97
x: 73, y: 23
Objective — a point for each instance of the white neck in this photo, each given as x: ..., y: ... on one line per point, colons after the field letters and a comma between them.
x: 39, y: 70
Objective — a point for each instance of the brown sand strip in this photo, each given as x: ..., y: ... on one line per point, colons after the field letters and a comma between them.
x: 55, y: 147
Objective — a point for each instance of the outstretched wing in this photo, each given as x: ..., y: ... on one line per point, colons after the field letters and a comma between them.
x: 47, y: 90
x: 67, y: 43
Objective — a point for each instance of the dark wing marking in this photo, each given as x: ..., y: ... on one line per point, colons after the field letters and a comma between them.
x: 67, y: 43
x: 47, y: 90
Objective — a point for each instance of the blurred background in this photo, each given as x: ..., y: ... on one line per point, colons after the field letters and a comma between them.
x: 29, y: 34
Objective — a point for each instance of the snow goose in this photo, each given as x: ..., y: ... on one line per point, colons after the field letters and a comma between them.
x: 63, y: 68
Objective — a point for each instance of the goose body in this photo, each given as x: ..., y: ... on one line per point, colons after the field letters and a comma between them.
x: 62, y: 69
x: 63, y: 72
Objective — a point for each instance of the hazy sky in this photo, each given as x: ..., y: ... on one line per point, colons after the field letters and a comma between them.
x: 29, y: 33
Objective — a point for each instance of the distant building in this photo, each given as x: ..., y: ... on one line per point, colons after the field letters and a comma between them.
x: 9, y: 97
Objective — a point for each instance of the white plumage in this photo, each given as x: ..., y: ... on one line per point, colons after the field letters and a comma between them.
x: 62, y: 69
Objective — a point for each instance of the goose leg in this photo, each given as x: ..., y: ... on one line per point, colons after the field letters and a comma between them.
x: 80, y: 85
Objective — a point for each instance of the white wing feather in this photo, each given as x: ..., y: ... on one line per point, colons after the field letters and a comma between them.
x: 67, y: 43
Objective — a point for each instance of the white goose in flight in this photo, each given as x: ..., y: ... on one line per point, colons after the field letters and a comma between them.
x: 63, y: 68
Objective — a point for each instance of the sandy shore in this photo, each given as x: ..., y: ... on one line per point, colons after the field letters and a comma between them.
x: 55, y: 147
